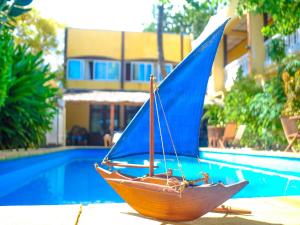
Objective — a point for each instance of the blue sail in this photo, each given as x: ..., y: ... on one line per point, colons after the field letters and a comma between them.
x: 178, y: 109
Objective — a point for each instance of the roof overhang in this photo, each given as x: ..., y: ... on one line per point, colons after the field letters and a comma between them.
x: 120, y: 97
x: 111, y: 97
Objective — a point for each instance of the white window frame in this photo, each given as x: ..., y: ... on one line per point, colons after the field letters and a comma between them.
x: 146, y: 70
x: 82, y: 69
x: 106, y: 72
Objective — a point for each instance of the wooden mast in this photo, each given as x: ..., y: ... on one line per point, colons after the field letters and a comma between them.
x: 151, y: 132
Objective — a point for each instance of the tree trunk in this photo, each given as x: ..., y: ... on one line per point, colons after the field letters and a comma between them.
x: 161, y: 58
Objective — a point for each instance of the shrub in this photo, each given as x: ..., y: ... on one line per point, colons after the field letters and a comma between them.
x: 266, y: 107
x: 214, y: 114
x: 259, y: 108
x: 6, y: 53
x: 29, y: 107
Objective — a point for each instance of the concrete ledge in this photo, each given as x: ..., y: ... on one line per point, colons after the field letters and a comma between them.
x: 13, y: 154
x: 247, y: 151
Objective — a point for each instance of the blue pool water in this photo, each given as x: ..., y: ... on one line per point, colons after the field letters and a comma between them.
x: 69, y: 177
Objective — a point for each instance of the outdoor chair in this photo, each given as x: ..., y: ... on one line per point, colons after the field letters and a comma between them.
x: 291, y: 131
x: 239, y: 134
x: 116, y: 137
x: 229, y: 134
x: 107, y: 140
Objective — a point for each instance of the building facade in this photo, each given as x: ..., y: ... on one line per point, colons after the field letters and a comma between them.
x: 107, y: 75
x: 243, y: 45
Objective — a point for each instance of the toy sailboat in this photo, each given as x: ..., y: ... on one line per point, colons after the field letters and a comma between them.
x: 168, y: 125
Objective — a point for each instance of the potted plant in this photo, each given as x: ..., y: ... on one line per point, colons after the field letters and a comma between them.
x: 215, y: 123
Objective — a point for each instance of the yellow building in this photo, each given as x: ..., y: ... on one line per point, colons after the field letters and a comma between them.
x: 107, y: 74
x: 243, y: 45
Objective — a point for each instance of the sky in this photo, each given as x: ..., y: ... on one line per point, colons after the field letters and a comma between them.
x: 118, y: 15
x: 127, y: 15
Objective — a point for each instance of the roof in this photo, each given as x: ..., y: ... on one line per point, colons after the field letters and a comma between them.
x: 107, y: 96
x: 121, y: 97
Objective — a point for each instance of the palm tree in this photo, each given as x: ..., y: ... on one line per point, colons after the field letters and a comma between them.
x: 161, y: 58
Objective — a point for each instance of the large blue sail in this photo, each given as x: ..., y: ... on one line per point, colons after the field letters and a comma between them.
x: 179, y: 103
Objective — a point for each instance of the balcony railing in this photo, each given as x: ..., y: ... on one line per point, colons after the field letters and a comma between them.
x: 231, y: 70
x: 292, y: 43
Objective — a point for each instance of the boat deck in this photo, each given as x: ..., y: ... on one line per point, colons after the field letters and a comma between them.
x: 265, y: 211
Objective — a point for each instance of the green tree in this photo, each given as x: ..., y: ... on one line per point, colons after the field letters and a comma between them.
x: 285, y: 14
x: 189, y: 17
x: 27, y: 93
x: 160, y: 27
x: 38, y: 33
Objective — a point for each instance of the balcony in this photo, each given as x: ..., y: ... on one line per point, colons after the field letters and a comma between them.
x: 292, y: 43
x: 232, y: 68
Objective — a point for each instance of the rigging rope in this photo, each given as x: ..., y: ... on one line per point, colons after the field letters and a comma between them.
x: 161, y: 138
x: 168, y: 128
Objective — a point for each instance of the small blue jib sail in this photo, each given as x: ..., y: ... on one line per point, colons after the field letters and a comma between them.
x: 177, y: 110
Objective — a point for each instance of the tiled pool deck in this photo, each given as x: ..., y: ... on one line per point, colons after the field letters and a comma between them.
x: 265, y: 211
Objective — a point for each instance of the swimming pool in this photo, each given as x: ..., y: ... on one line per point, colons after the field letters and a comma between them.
x: 69, y: 177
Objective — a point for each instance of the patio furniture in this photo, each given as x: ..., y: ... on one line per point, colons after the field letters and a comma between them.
x: 107, y: 140
x: 291, y: 131
x: 116, y: 136
x: 214, y: 134
x: 239, y: 134
x: 229, y: 134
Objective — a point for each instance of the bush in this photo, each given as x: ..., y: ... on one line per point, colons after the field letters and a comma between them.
x: 266, y: 107
x: 237, y: 100
x: 30, y: 104
x: 6, y: 53
x: 259, y: 108
x: 214, y: 114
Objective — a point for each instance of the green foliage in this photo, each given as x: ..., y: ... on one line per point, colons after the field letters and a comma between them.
x: 30, y: 106
x: 38, y: 33
x: 291, y: 64
x: 8, y: 10
x: 265, y: 108
x: 6, y: 53
x: 27, y: 96
x: 237, y: 100
x: 285, y: 14
x: 214, y: 114
x: 276, y: 50
x: 189, y: 17
x: 259, y: 108
x: 12, y: 8
x: 291, y: 79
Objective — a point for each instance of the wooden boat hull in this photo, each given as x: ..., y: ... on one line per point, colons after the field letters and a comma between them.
x: 151, y: 198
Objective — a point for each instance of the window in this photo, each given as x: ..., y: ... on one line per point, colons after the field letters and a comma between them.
x: 75, y: 69
x: 106, y: 70
x: 130, y: 112
x: 169, y: 68
x: 141, y: 71
x: 100, y: 118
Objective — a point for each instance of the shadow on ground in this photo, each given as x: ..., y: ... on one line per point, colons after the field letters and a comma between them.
x: 211, y: 221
